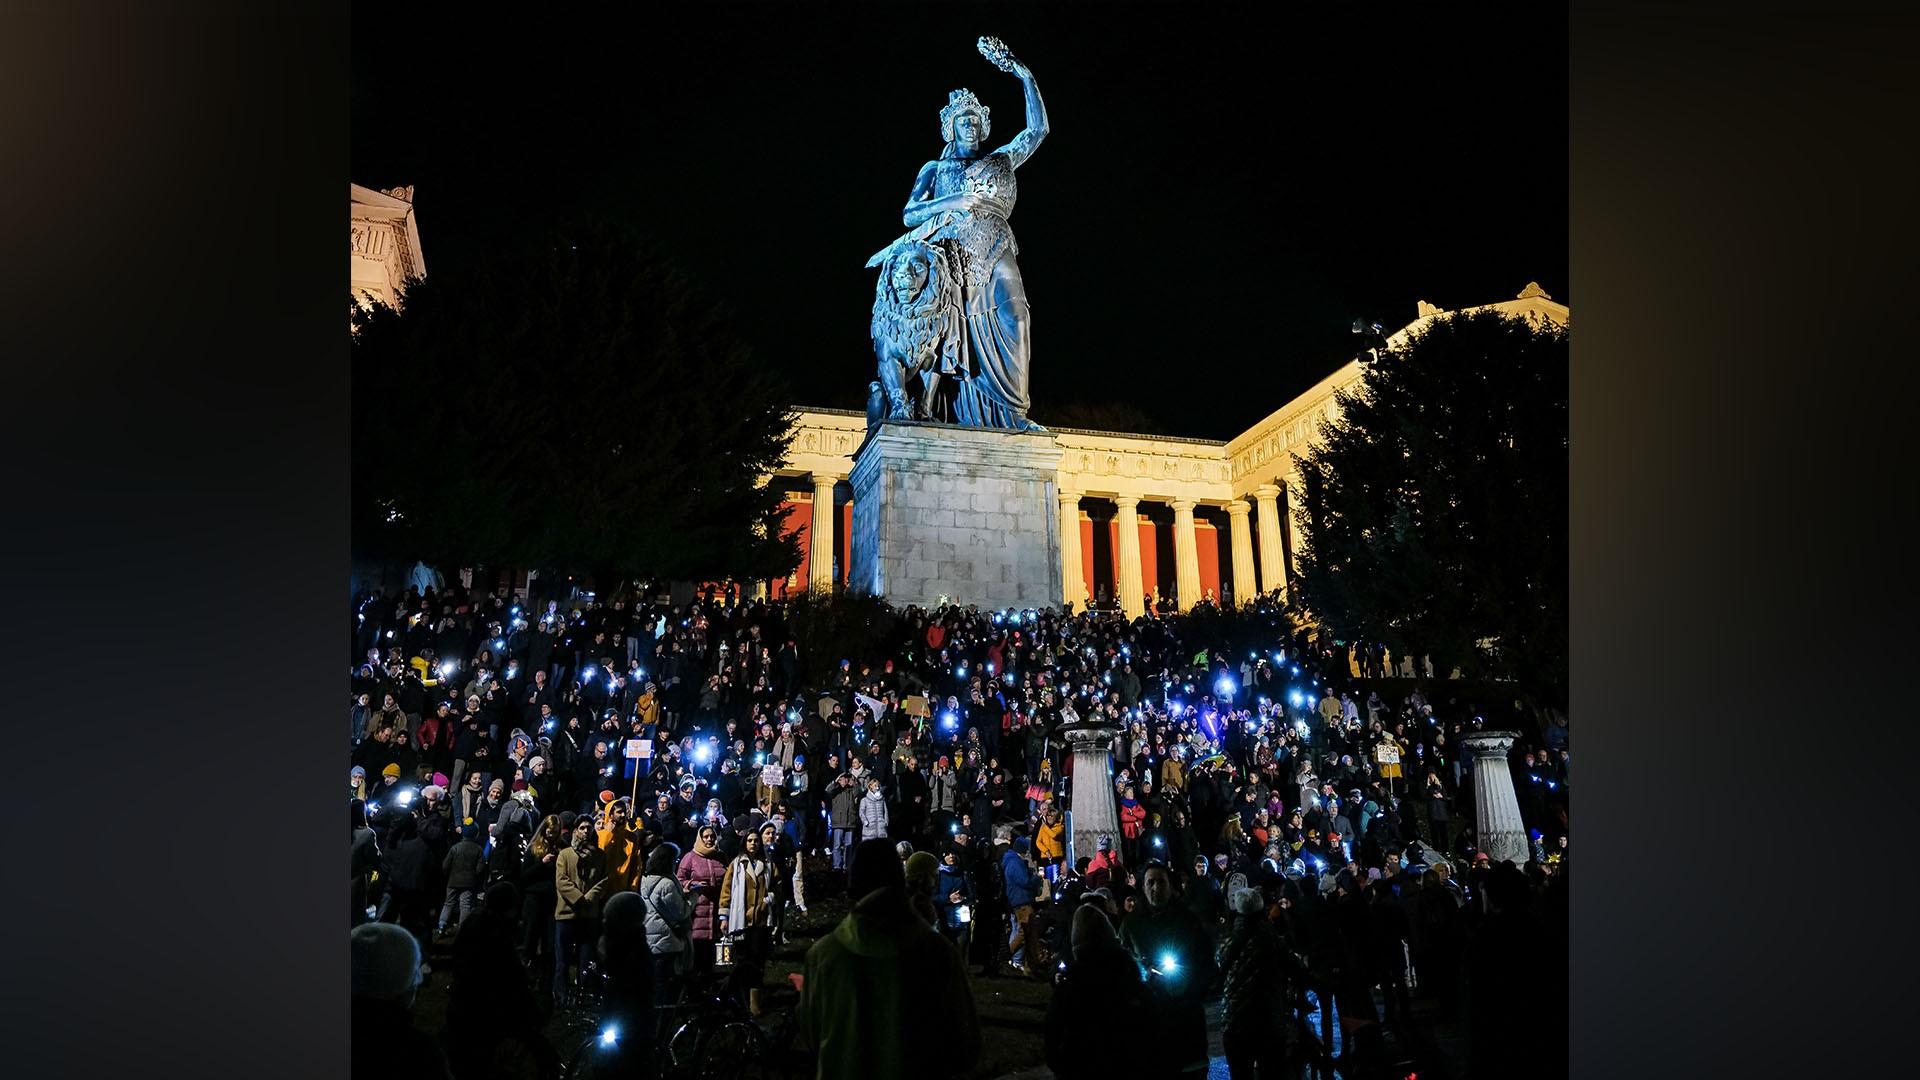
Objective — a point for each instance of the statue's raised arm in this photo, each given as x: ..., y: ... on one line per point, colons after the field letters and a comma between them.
x: 1025, y: 143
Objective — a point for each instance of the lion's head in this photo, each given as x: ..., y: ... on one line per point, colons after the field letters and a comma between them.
x: 916, y: 301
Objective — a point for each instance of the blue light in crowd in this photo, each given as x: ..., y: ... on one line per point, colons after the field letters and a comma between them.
x: 950, y: 720
x: 405, y: 798
x: 1169, y: 963
x: 703, y: 754
x: 609, y: 1036
x: 1009, y: 678
x: 499, y: 644
x: 587, y: 672
x: 1224, y: 688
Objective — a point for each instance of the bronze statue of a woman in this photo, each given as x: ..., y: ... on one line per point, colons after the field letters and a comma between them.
x: 958, y: 253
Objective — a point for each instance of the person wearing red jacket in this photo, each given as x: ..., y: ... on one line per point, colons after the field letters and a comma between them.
x: 1133, y: 822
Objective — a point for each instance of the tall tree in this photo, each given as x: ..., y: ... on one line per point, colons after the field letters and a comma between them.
x: 1436, y: 502
x: 575, y: 407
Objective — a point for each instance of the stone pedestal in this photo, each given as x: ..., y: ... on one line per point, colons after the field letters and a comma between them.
x: 969, y: 514
x: 1096, y: 812
x: 1497, y: 822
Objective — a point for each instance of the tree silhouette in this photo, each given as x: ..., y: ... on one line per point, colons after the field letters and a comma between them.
x: 573, y: 408
x: 1436, y: 503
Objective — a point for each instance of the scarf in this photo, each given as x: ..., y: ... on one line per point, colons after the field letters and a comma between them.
x: 742, y: 910
x: 704, y: 849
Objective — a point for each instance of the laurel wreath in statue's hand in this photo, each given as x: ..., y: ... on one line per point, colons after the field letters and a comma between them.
x: 998, y: 54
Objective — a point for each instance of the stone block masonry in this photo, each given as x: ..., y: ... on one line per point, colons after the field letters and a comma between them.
x: 968, y: 514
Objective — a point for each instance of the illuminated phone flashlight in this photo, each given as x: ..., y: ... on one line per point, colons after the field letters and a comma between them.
x: 963, y: 912
x: 389, y: 635
x: 960, y: 672
x: 405, y: 798
x: 1224, y: 688
x: 548, y: 726
x: 609, y: 1035
x: 702, y: 754
x: 954, y: 828
x: 951, y: 721
x: 1169, y: 963
x: 587, y: 672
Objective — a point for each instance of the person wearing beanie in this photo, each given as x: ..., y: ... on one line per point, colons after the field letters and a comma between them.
x: 1101, y: 991
x: 628, y: 1002
x: 922, y: 871
x: 385, y: 976
x: 1259, y: 971
x: 883, y: 995
x: 669, y: 923
x: 1023, y: 887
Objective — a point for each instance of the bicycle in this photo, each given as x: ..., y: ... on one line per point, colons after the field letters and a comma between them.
x: 714, y: 1036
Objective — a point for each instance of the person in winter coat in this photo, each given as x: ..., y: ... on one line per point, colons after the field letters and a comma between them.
x: 619, y: 838
x: 745, y: 915
x: 1103, y: 992
x: 409, y: 871
x: 843, y: 807
x: 461, y: 867
x: 1258, y: 968
x: 669, y: 924
x: 1171, y: 941
x: 363, y: 862
x: 883, y: 996
x: 1050, y: 842
x: 1023, y: 891
x: 943, y: 797
x: 873, y: 812
x: 700, y: 874
x: 579, y: 883
x: 1133, y: 822
x: 954, y: 899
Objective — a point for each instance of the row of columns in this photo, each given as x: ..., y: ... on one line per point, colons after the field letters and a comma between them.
x: 1186, y: 549
x: 1133, y: 601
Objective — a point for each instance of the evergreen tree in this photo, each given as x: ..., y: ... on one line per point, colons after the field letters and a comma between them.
x: 1436, y: 503
x: 574, y: 408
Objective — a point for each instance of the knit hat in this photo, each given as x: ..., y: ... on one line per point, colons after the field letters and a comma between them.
x: 440, y: 779
x: 922, y: 868
x: 357, y: 771
x: 392, y: 769
x: 1246, y: 902
x: 386, y: 961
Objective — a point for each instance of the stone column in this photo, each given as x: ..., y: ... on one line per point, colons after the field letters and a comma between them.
x: 1272, y: 554
x: 1095, y: 811
x: 1073, y: 585
x: 1186, y: 556
x: 1133, y: 600
x: 1501, y: 832
x: 1244, y: 586
x: 820, y: 540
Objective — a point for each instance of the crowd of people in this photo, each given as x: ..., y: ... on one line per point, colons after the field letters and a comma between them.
x: 647, y: 795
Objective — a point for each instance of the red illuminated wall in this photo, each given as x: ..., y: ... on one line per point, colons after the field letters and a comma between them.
x: 1086, y: 559
x: 1207, y: 539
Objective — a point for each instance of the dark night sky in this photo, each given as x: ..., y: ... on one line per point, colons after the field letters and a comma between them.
x: 1223, y: 191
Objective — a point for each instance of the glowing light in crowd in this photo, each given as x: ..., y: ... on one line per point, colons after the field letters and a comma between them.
x: 1224, y: 688
x: 1009, y: 678
x: 703, y: 754
x: 950, y: 720
x: 609, y: 1036
x: 389, y: 635
x: 499, y: 644
x: 446, y: 669
x: 1169, y: 963
x: 405, y: 798
x: 587, y: 672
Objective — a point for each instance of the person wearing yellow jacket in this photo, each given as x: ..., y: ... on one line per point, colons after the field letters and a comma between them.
x: 620, y: 842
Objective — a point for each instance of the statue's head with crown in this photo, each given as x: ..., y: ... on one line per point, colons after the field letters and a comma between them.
x: 964, y: 120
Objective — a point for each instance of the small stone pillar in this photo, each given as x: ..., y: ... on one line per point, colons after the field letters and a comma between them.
x: 1096, y: 812
x: 1501, y: 831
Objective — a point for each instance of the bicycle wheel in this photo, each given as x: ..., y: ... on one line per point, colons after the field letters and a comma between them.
x: 732, y: 1050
